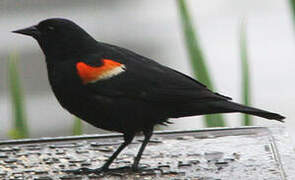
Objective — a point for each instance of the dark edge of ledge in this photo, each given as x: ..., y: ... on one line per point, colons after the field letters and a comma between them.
x: 116, y: 135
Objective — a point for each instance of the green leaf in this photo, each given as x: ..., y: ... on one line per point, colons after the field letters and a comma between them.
x: 197, y: 59
x: 247, y: 121
x: 20, y: 128
x: 77, y: 128
x: 292, y: 4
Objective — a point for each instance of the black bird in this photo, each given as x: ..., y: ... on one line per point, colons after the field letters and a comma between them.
x: 118, y: 90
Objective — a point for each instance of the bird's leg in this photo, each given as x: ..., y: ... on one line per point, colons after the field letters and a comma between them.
x: 147, y: 136
x: 127, y: 140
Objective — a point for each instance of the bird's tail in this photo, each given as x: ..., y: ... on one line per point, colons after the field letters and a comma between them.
x: 224, y: 107
x: 253, y: 111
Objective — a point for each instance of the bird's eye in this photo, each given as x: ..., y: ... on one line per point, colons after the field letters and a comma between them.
x: 50, y: 28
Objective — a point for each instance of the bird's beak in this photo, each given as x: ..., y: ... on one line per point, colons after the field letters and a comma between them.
x: 30, y: 31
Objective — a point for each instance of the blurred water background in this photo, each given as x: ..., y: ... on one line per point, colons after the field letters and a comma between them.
x: 153, y: 29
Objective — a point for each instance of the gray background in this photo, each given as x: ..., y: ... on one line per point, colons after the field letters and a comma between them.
x: 152, y: 28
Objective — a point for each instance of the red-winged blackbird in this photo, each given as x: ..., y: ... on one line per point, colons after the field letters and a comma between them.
x: 116, y: 89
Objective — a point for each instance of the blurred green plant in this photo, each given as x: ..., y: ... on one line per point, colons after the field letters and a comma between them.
x: 20, y: 128
x: 292, y: 4
x: 197, y: 59
x: 77, y: 127
x: 247, y: 121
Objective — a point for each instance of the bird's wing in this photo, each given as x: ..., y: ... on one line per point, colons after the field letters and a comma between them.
x: 126, y: 74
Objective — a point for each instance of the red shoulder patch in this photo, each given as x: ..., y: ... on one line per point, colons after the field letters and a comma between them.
x: 108, y: 69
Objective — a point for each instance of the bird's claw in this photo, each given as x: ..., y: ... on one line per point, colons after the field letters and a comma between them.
x: 102, y: 170
x: 87, y: 171
x: 136, y: 168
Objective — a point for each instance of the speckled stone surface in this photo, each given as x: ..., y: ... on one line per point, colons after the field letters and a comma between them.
x: 233, y: 153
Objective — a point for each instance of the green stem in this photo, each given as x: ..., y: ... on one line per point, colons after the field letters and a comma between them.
x: 197, y: 59
x: 20, y: 129
x: 77, y: 128
x: 247, y: 121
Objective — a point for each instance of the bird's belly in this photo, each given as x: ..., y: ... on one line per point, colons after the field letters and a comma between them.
x: 114, y: 114
x: 94, y: 111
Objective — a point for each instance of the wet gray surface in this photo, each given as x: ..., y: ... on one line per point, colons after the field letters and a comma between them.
x: 235, y: 153
x: 153, y: 30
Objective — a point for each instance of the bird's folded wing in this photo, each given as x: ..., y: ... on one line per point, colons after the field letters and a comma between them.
x: 154, y: 83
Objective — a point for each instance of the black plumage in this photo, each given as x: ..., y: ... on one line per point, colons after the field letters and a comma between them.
x: 128, y: 93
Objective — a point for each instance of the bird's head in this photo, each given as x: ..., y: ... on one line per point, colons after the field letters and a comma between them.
x: 60, y: 38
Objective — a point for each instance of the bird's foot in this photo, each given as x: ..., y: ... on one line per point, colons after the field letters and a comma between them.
x: 102, y: 170
x: 99, y: 171
x: 88, y: 171
x: 129, y: 169
x: 136, y: 168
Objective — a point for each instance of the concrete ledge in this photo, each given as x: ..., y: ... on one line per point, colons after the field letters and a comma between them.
x: 218, y: 153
